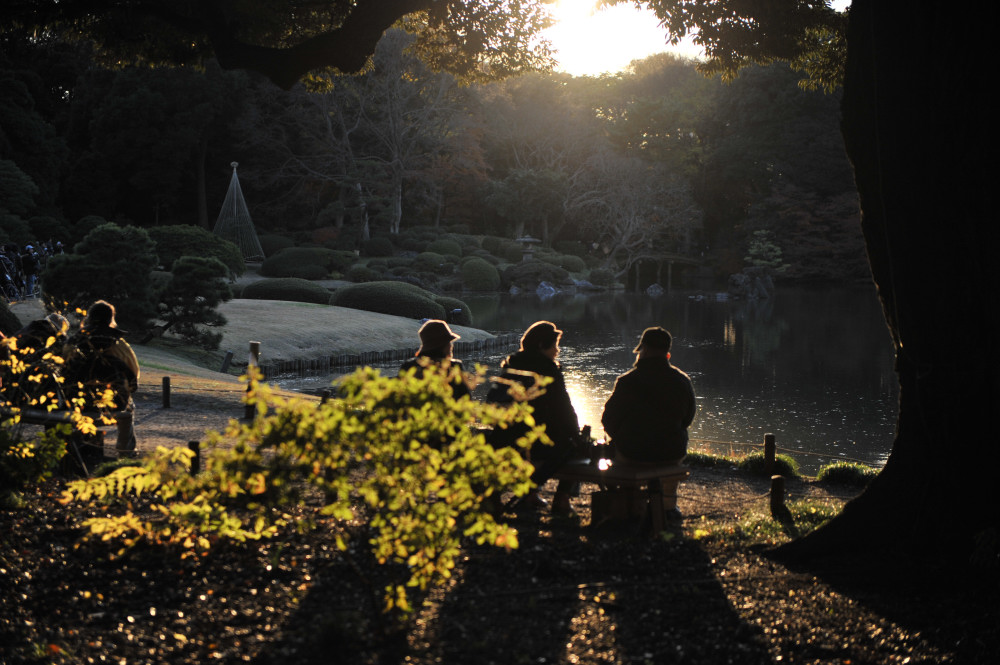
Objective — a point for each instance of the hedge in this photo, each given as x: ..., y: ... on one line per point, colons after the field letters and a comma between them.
x: 360, y: 273
x: 479, y: 275
x: 287, y: 288
x: 396, y: 298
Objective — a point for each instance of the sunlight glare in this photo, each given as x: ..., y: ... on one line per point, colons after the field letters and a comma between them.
x: 589, y: 42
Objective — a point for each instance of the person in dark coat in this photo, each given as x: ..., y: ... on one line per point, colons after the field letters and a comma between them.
x: 436, y: 347
x: 98, y: 358
x: 652, y: 405
x: 553, y: 409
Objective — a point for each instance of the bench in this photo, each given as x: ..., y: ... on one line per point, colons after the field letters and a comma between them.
x: 629, y: 490
x: 84, y: 448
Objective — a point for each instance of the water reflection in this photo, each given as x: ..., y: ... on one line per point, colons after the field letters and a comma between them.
x: 812, y: 366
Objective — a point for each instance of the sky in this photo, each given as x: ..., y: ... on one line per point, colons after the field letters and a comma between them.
x: 590, y: 43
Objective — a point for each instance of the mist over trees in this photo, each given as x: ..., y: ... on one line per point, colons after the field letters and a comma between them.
x: 656, y: 160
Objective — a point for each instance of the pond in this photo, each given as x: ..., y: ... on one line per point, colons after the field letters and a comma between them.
x: 812, y: 366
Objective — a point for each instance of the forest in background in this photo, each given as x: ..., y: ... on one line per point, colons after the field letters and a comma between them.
x: 655, y: 161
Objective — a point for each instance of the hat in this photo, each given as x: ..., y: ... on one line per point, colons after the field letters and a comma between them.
x: 540, y: 335
x: 435, y: 334
x: 655, y: 338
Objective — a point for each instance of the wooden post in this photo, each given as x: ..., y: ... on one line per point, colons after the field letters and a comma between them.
x: 778, y: 497
x: 166, y: 392
x: 324, y: 396
x: 769, y: 452
x: 225, y: 362
x: 195, y: 447
x: 253, y: 361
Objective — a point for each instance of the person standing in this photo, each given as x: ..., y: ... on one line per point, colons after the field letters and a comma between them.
x: 652, y: 405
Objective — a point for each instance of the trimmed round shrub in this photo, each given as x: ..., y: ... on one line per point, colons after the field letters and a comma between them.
x: 377, y: 247
x: 289, y: 262
x: 445, y: 246
x: 272, y: 243
x: 783, y: 465
x: 601, y: 277
x: 511, y: 252
x: 287, y: 288
x: 530, y: 274
x: 312, y: 272
x: 571, y: 263
x: 175, y: 241
x: 482, y: 254
x: 396, y: 298
x: 479, y: 275
x: 492, y: 244
x: 360, y: 273
x: 455, y: 311
x: 429, y: 261
x: 846, y: 473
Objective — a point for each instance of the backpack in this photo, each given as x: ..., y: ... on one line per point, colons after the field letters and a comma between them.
x: 92, y: 365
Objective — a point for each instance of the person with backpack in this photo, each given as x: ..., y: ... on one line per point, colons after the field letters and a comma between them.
x: 99, y: 359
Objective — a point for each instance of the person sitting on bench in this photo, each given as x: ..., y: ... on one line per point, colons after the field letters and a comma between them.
x: 652, y: 405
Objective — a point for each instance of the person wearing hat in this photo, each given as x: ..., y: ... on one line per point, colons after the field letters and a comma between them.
x: 652, y: 405
x: 553, y: 409
x: 98, y: 358
x: 436, y: 347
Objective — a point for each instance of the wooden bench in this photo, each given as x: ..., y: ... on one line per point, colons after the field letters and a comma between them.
x: 83, y: 448
x: 629, y: 490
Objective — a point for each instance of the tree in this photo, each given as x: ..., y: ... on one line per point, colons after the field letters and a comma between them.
x: 187, y: 305
x: 112, y: 263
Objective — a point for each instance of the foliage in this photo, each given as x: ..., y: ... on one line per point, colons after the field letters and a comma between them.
x: 530, y: 273
x: 763, y: 252
x: 707, y: 461
x: 396, y: 298
x: 445, y: 246
x: 367, y: 456
x: 45, y: 228
x: 362, y: 273
x: 479, y: 275
x: 287, y: 288
x: 17, y: 189
x: 30, y: 378
x: 571, y: 263
x: 783, y: 464
x: 289, y: 262
x: 378, y: 246
x: 112, y: 263
x: 455, y: 310
x: 188, y: 304
x: 9, y: 323
x: 273, y: 243
x: 846, y: 473
x: 601, y: 277
x: 173, y: 242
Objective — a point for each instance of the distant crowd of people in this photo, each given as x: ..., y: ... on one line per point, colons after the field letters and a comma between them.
x: 646, y: 416
x: 21, y: 266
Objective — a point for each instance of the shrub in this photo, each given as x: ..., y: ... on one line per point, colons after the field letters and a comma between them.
x: 48, y: 228
x: 455, y: 311
x: 9, y: 323
x: 397, y: 298
x: 289, y: 262
x: 601, y: 277
x: 360, y: 273
x: 573, y: 247
x: 530, y: 274
x: 706, y: 461
x: 287, y: 288
x: 783, y: 464
x: 273, y: 243
x: 482, y: 254
x: 82, y: 227
x: 847, y: 473
x: 365, y: 456
x: 429, y: 261
x: 173, y: 242
x: 511, y: 252
x: 377, y: 247
x: 188, y: 303
x: 571, y: 263
x: 479, y: 275
x: 445, y: 246
x: 492, y: 244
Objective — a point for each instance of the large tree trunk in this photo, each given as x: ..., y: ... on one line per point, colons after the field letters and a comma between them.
x: 913, y: 122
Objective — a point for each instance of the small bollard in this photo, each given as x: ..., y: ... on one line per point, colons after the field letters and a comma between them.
x: 769, y: 451
x: 324, y: 396
x: 778, y: 509
x: 166, y: 392
x: 226, y: 361
x: 195, y: 447
x: 253, y: 360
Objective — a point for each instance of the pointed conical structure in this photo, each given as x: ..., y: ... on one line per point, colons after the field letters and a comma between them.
x: 234, y: 223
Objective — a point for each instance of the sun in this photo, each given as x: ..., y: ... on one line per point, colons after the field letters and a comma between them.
x: 590, y: 41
